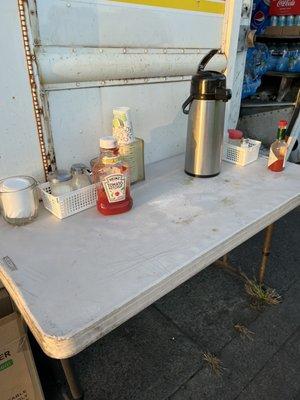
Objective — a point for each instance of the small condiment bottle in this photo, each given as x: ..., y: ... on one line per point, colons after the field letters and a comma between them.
x: 111, y: 175
x: 235, y: 136
x: 278, y: 149
x: 60, y: 182
x: 80, y: 176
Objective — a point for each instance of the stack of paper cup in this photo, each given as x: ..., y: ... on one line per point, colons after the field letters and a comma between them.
x: 122, y: 126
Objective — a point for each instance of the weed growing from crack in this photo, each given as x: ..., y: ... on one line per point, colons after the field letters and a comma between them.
x: 214, y: 363
x: 261, y: 295
x: 244, y: 331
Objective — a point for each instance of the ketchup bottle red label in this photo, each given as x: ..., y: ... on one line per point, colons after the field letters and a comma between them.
x: 112, y: 178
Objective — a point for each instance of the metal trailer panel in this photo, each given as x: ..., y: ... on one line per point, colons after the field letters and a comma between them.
x: 88, y: 46
x: 87, y: 66
x: 112, y: 24
x: 19, y: 146
x: 263, y: 125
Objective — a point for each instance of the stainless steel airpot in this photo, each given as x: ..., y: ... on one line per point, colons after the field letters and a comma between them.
x: 206, y: 121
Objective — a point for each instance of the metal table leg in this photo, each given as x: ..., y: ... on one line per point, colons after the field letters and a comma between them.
x: 224, y: 262
x: 265, y: 252
x: 75, y: 389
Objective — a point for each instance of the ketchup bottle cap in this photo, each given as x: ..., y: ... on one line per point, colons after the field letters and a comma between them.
x: 235, y: 134
x: 108, y: 142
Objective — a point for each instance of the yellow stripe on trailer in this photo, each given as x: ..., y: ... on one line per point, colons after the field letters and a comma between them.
x: 215, y: 7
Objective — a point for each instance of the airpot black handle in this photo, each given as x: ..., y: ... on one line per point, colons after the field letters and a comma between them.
x: 219, y: 96
x: 186, y: 103
x: 206, y: 59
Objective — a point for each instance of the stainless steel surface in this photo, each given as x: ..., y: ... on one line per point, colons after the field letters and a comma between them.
x: 204, y: 137
x: 268, y: 105
x: 263, y: 125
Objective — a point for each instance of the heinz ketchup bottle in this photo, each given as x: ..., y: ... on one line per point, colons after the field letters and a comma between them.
x: 112, y: 179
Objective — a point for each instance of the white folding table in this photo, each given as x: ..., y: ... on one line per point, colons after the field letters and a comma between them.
x: 75, y: 280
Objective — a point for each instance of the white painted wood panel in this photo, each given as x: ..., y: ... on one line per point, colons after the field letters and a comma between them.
x: 79, y: 117
x: 19, y: 146
x: 77, y: 279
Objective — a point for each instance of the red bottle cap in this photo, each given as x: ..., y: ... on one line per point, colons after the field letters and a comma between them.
x: 235, y: 134
x: 282, y: 124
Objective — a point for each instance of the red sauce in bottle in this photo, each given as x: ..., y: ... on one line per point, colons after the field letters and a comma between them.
x: 107, y: 208
x: 111, y: 175
x: 277, y: 166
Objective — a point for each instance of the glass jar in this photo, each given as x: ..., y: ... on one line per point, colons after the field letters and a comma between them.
x: 19, y: 199
x: 60, y: 182
x: 80, y: 176
x: 112, y: 178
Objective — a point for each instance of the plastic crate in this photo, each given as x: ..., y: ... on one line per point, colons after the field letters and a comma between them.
x: 240, y: 155
x: 70, y: 203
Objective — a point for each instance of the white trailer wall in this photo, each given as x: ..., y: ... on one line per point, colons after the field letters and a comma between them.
x: 83, y: 47
x: 93, y: 55
x: 19, y: 146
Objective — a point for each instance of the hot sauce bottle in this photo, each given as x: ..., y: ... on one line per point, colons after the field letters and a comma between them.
x: 278, y: 149
x: 111, y: 176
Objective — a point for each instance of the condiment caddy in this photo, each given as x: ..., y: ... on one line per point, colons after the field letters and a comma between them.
x: 238, y: 150
x: 70, y: 203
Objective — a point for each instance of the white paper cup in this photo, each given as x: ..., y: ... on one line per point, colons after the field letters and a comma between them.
x: 122, y: 125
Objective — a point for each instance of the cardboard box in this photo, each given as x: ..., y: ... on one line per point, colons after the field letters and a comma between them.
x: 275, y: 31
x: 279, y: 31
x: 291, y: 31
x: 18, y: 375
x: 285, y: 7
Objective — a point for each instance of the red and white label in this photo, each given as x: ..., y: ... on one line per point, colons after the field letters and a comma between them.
x: 285, y: 7
x: 115, y: 187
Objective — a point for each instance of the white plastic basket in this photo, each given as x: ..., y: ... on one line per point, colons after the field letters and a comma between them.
x: 240, y: 155
x: 70, y: 203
